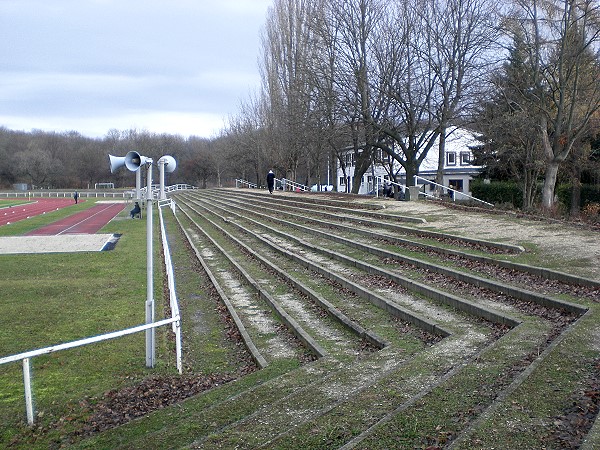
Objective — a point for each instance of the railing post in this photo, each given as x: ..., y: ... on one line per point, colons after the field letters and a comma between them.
x: 28, y: 396
x: 178, y: 346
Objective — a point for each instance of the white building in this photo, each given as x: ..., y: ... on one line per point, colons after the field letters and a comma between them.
x: 458, y: 168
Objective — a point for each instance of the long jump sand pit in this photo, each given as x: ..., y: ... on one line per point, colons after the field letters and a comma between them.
x: 57, y: 244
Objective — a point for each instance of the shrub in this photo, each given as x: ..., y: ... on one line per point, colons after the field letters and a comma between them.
x: 591, y: 212
x: 498, y: 192
x: 590, y: 193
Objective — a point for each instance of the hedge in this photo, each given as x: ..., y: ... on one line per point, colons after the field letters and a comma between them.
x: 498, y: 192
x: 503, y: 192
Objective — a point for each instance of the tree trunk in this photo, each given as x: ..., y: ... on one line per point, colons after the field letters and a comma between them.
x: 439, y: 178
x: 576, y: 192
x: 410, y: 175
x: 549, y: 184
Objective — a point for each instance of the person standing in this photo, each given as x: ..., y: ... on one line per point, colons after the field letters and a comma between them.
x: 76, y: 196
x: 271, y: 181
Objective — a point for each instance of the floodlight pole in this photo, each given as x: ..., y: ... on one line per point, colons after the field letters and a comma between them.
x: 150, y: 334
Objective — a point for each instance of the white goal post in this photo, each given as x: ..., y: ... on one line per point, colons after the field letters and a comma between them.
x: 104, y: 186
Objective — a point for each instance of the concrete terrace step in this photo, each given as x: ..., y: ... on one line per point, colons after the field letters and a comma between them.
x: 468, y: 390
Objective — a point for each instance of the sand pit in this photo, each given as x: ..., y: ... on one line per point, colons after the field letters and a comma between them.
x: 57, y: 244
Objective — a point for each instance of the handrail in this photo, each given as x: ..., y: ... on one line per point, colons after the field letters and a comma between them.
x: 85, y: 341
x: 26, y: 356
x: 450, y: 189
x: 173, y: 303
x: 380, y: 180
x: 239, y: 181
x: 292, y: 185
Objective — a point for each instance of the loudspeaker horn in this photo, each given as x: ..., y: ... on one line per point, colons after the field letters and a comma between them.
x: 116, y: 162
x: 133, y: 160
x: 169, y: 163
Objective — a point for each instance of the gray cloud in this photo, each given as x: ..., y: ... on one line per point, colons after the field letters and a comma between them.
x: 102, y: 64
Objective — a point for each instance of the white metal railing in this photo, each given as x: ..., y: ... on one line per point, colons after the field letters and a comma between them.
x: 56, y: 194
x: 289, y: 185
x: 242, y: 183
x: 167, y: 202
x: 128, y: 194
x: 26, y: 356
x: 175, y: 320
x: 173, y: 303
x: 454, y: 191
x: 380, y: 180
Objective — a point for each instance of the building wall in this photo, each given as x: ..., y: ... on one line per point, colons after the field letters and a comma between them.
x: 458, y: 167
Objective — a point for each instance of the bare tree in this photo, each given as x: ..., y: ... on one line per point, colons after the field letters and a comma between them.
x: 462, y: 35
x: 563, y: 37
x: 408, y: 86
x: 287, y: 51
x: 37, y: 165
x: 349, y: 31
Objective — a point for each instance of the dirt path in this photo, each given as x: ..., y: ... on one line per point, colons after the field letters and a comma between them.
x: 578, y: 248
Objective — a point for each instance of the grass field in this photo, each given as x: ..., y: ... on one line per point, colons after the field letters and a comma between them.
x: 49, y: 299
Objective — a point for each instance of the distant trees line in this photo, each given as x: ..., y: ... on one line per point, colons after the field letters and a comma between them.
x: 382, y: 75
x: 69, y: 160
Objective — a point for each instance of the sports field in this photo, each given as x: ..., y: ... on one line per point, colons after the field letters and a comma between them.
x: 56, y: 291
x: 458, y: 329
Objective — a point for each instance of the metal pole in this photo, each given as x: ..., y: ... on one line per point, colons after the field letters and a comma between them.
x: 149, y: 271
x: 28, y: 396
x: 161, y: 177
x: 138, y: 183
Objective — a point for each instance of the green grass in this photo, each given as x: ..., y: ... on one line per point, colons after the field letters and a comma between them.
x: 12, y: 202
x: 47, y: 299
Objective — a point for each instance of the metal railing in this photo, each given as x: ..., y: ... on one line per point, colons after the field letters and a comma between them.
x: 173, y: 303
x: 380, y: 180
x: 126, y: 194
x: 175, y: 320
x: 60, y: 194
x: 244, y: 183
x: 289, y: 185
x: 454, y: 191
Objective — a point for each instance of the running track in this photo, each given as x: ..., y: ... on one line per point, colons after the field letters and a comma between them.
x: 83, y: 222
x: 40, y: 206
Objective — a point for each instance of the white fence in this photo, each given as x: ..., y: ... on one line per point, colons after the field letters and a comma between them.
x: 175, y: 320
x: 126, y: 194
x: 61, y: 194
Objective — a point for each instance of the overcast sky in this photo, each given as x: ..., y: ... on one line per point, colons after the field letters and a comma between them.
x: 164, y: 66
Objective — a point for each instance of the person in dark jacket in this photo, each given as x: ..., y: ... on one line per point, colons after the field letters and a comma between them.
x: 135, y: 211
x: 271, y: 181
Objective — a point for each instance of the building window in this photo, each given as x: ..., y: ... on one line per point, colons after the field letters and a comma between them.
x: 465, y: 158
x: 450, y: 158
x: 342, y: 181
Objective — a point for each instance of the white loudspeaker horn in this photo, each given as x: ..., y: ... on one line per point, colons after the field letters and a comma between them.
x: 133, y: 160
x: 116, y: 162
x: 169, y: 163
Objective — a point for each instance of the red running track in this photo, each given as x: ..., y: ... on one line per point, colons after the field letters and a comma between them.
x: 84, y: 222
x: 40, y: 206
